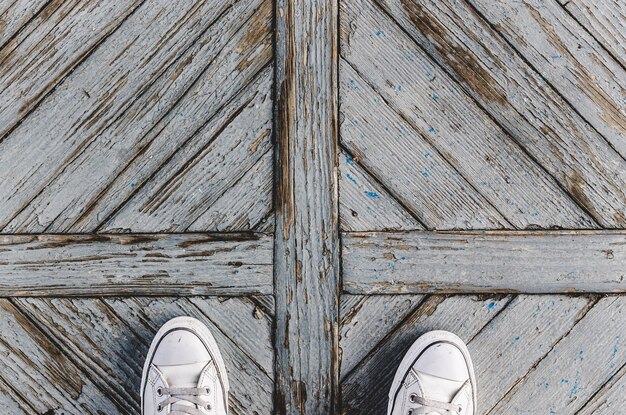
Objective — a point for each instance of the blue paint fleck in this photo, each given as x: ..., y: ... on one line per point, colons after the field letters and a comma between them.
x: 581, y: 355
x: 564, y: 381
x: 428, y: 154
x: 615, y: 348
x: 373, y: 195
x: 353, y: 84
x: 557, y: 57
x: 399, y: 88
x: 574, y: 391
x: 516, y: 338
x: 432, y: 130
x: 435, y: 97
x: 349, y: 160
x: 378, y: 33
x: 133, y: 185
x: 351, y: 178
x: 425, y: 173
x: 491, y: 305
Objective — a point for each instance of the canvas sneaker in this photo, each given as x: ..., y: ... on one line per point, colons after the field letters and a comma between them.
x: 184, y: 373
x: 436, y: 377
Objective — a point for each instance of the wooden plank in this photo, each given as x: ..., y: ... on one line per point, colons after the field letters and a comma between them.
x: 181, y: 264
x: 610, y: 397
x: 40, y: 374
x: 568, y: 57
x: 521, y: 101
x: 365, y: 389
x: 306, y: 250
x: 576, y: 367
x: 400, y: 157
x: 251, y: 386
x: 171, y: 118
x: 366, y: 320
x: 191, y: 182
x: 530, y: 262
x: 605, y: 20
x: 365, y: 205
x: 518, y: 338
x: 54, y: 43
x: 245, y: 205
x: 14, y: 15
x: 421, y: 92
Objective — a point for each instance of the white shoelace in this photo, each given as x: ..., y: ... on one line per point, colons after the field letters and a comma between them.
x: 430, y: 406
x: 181, y: 395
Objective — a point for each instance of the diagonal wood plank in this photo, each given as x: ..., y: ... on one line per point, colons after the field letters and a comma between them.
x: 14, y: 15
x: 192, y: 181
x: 605, y: 20
x: 246, y: 205
x: 413, y: 169
x: 45, y: 378
x: 484, y: 261
x: 568, y: 57
x: 521, y: 101
x: 419, y: 90
x: 366, y: 204
x: 366, y: 320
x: 251, y: 387
x: 365, y: 389
x: 163, y: 121
x: 518, y: 338
x: 135, y: 264
x: 576, y: 367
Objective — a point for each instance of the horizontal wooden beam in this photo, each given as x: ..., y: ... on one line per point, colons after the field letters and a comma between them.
x: 136, y: 264
x: 484, y: 261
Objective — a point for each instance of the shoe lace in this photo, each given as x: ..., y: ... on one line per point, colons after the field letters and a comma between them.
x: 430, y: 406
x: 189, y: 395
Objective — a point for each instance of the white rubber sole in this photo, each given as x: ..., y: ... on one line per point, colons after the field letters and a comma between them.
x: 199, y: 329
x: 421, y: 344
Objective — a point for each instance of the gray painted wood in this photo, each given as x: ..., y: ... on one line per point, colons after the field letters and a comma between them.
x: 366, y: 388
x: 576, y: 367
x: 14, y: 15
x: 48, y: 47
x: 39, y: 373
x: 160, y: 108
x: 392, y: 150
x: 517, y: 339
x: 489, y: 261
x: 568, y: 57
x: 521, y: 101
x: 196, y: 178
x: 366, y: 320
x: 605, y: 20
x: 365, y: 204
x: 179, y: 264
x: 407, y: 79
x: 306, y: 250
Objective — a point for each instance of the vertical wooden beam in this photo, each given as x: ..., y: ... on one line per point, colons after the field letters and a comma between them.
x: 306, y: 250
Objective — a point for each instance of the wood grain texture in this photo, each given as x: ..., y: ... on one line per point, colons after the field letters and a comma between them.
x: 306, y: 250
x: 180, y: 264
x: 529, y: 262
x: 165, y: 108
x: 576, y: 367
x: 605, y: 20
x: 365, y: 204
x: 413, y: 170
x: 366, y: 388
x: 568, y: 57
x: 53, y: 44
x: 107, y: 341
x: 407, y: 79
x: 14, y: 15
x: 521, y: 101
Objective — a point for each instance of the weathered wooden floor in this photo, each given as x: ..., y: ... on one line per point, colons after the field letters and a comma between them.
x: 320, y: 182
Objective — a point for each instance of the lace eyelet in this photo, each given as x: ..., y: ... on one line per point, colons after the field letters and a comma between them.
x: 208, y: 407
x: 412, y: 398
x: 159, y: 392
x: 410, y: 412
x: 159, y: 408
x: 208, y: 390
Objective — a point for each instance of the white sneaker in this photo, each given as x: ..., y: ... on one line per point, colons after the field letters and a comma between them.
x: 436, y: 376
x: 184, y: 373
